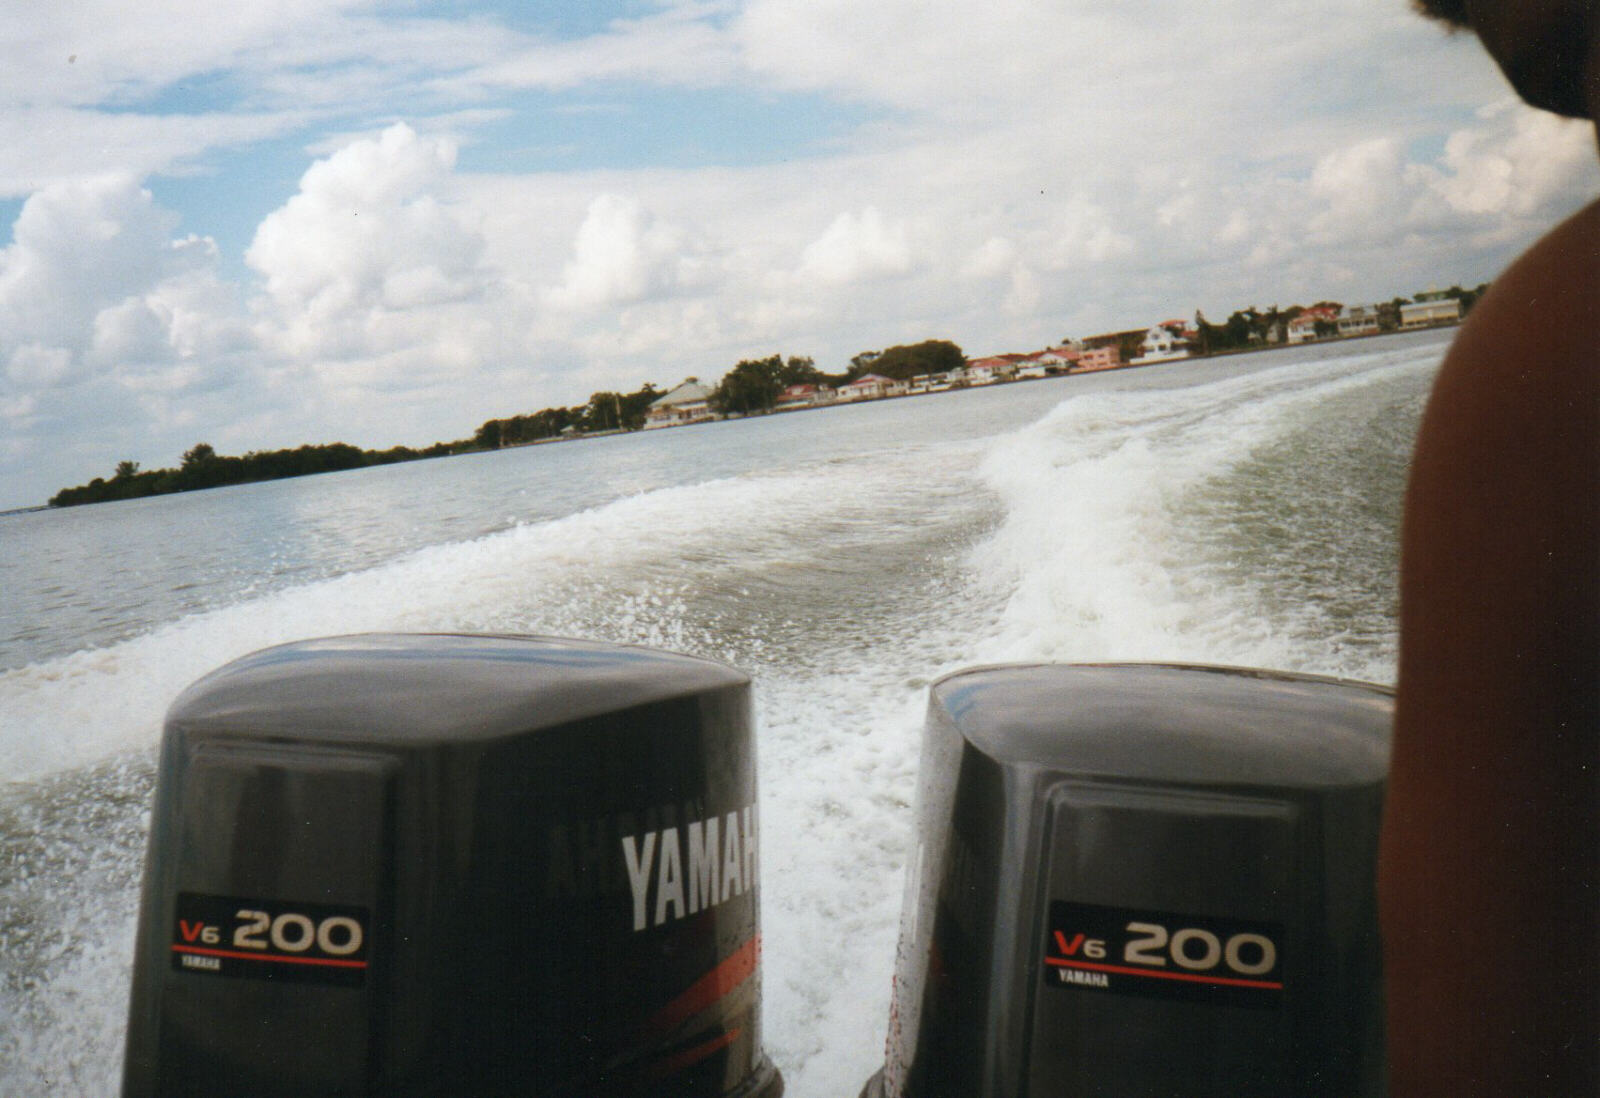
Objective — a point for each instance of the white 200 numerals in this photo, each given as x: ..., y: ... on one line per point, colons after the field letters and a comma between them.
x: 1198, y: 950
x: 291, y: 932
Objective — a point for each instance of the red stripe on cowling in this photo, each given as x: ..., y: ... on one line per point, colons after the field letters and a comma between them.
x: 729, y: 973
x: 691, y: 1056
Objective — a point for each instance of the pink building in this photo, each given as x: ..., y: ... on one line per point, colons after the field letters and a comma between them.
x: 1100, y: 358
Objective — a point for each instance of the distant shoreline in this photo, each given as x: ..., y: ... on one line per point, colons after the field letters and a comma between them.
x: 218, y: 471
x: 1233, y: 352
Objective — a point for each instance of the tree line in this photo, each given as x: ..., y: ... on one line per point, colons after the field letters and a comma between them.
x: 203, y: 467
x: 750, y: 387
x: 1247, y: 328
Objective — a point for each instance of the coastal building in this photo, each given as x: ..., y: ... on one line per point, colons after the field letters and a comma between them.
x: 1164, y: 342
x: 871, y: 387
x: 987, y: 371
x: 938, y: 382
x: 1303, y: 328
x: 804, y: 396
x: 1430, y: 309
x: 1054, y: 360
x: 1100, y: 358
x: 688, y: 403
x: 1359, y: 320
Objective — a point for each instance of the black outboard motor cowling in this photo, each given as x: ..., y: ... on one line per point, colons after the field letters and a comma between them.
x: 453, y: 865
x: 1138, y: 880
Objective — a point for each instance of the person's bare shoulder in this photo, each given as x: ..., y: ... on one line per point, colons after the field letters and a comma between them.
x: 1533, y: 337
x: 1489, y: 833
x: 1509, y: 453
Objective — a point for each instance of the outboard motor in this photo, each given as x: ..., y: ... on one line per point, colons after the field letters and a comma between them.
x: 453, y: 865
x: 1139, y: 880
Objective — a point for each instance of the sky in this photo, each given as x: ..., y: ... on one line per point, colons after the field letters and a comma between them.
x: 259, y: 226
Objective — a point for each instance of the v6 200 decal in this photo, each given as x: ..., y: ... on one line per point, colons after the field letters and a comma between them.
x: 270, y: 939
x: 1162, y: 954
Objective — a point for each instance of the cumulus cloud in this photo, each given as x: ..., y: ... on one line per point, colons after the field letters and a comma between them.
x: 1361, y: 189
x: 92, y: 282
x: 76, y: 247
x: 368, y: 236
x: 858, y: 246
x: 112, y: 331
x: 1499, y: 179
x: 622, y: 254
x: 1516, y: 162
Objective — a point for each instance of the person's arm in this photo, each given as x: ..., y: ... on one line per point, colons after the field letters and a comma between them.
x: 1488, y: 881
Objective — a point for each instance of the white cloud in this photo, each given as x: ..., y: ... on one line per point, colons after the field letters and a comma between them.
x: 1516, y: 162
x: 679, y: 45
x: 622, y: 254
x: 42, y: 146
x: 1361, y: 189
x: 857, y: 247
x: 1499, y: 179
x: 130, y: 329
x: 367, y: 237
x: 994, y: 257
x: 92, y: 272
x: 36, y: 366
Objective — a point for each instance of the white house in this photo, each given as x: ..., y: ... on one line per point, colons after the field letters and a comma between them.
x: 1303, y: 328
x: 1164, y: 342
x: 1359, y: 320
x: 871, y: 387
x: 1428, y: 310
x: 688, y: 403
x: 1051, y: 359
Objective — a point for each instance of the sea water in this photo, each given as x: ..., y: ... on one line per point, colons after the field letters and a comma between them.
x: 1238, y: 511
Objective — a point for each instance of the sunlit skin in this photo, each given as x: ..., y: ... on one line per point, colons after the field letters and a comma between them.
x: 1489, y: 888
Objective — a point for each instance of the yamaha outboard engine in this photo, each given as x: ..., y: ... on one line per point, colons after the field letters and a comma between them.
x: 453, y: 865
x: 1138, y: 880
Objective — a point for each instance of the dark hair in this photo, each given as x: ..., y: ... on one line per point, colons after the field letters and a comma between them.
x: 1453, y: 12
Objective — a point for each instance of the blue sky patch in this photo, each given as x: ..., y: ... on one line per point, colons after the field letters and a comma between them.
x: 635, y: 126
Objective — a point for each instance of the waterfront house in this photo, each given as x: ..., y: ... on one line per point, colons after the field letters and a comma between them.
x: 1051, y: 360
x: 986, y: 371
x: 937, y: 383
x: 1100, y: 358
x: 871, y: 387
x: 1303, y: 328
x: 1430, y: 309
x: 804, y: 396
x: 1359, y: 320
x: 688, y: 403
x: 1164, y: 342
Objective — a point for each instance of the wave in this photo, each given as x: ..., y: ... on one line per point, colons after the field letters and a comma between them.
x: 620, y: 571
x: 1102, y: 554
